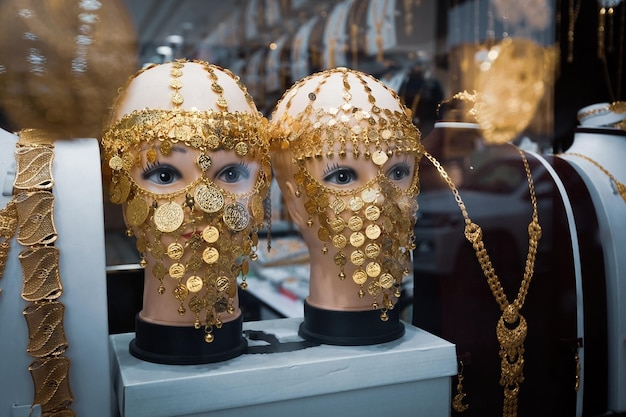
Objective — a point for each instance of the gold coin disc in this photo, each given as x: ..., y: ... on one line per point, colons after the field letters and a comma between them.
x: 209, y: 198
x: 177, y: 270
x: 357, y: 258
x: 194, y: 283
x: 355, y: 223
x: 119, y: 190
x: 373, y: 269
x: 210, y: 234
x: 339, y: 241
x: 168, y: 217
x: 175, y: 251
x: 355, y: 203
x: 369, y: 195
x: 256, y: 207
x: 386, y: 280
x: 204, y: 162
x: 337, y: 224
x: 379, y: 157
x: 236, y: 216
x: 210, y: 255
x: 137, y: 211
x: 372, y: 213
x: 359, y: 277
x: 116, y: 163
x: 338, y: 205
x: 372, y: 231
x: 357, y: 239
x: 373, y: 288
x: 372, y: 250
x: 222, y: 283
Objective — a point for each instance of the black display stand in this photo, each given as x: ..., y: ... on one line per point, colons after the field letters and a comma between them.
x: 176, y: 345
x: 349, y: 328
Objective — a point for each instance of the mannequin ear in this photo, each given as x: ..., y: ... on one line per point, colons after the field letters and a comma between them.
x: 295, y: 208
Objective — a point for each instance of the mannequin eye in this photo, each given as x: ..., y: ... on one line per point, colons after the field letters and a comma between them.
x: 399, y: 171
x: 161, y: 174
x: 340, y: 176
x: 234, y: 173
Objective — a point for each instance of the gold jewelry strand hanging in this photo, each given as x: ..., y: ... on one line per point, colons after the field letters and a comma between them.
x: 33, y: 203
x: 512, y: 328
x: 619, y: 187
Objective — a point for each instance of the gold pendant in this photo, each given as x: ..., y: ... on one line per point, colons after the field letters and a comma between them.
x: 236, y: 217
x: 204, y: 162
x: 373, y: 269
x: 136, y: 211
x: 208, y: 198
x: 194, y: 283
x: 357, y: 258
x: 359, y: 277
x: 119, y: 189
x: 210, y: 255
x: 175, y: 251
x: 386, y: 280
x: 373, y: 231
x: 256, y: 207
x: 210, y: 234
x: 168, y: 217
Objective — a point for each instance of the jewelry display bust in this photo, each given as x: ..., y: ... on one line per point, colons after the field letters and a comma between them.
x: 189, y: 161
x: 597, y: 156
x: 345, y: 155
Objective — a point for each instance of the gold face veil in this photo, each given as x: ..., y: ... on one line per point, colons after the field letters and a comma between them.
x: 344, y: 116
x: 200, y: 236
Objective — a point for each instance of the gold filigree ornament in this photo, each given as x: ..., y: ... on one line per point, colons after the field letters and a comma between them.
x: 511, y: 83
x: 512, y: 328
x: 39, y: 259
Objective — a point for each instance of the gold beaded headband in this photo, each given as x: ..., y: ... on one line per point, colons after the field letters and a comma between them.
x: 243, y: 132
x: 314, y: 131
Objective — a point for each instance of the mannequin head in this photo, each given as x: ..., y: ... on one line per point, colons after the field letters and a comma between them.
x: 345, y: 155
x: 189, y: 161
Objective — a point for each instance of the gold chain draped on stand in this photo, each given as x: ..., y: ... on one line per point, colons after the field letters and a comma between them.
x: 620, y: 188
x: 512, y: 328
x: 31, y: 212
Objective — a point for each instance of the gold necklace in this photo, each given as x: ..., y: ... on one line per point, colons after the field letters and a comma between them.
x: 621, y: 188
x: 33, y: 202
x: 512, y: 328
x: 379, y: 32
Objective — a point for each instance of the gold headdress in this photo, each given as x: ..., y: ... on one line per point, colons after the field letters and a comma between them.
x: 206, y: 225
x: 343, y: 114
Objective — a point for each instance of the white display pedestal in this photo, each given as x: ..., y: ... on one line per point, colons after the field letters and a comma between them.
x: 408, y: 376
x: 78, y: 217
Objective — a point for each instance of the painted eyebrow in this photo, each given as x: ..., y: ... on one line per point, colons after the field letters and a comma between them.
x: 175, y: 148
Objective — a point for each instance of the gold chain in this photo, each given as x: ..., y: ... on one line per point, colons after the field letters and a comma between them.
x: 512, y: 328
x: 621, y: 188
